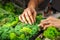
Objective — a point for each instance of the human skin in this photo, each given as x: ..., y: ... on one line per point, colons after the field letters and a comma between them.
x: 29, y: 14
x: 50, y: 21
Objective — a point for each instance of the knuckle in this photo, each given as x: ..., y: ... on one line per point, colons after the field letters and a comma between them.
x: 30, y: 14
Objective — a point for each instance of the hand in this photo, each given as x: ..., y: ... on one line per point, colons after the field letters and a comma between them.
x: 50, y: 21
x: 28, y: 16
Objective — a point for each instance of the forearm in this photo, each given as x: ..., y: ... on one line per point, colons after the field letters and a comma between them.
x: 34, y: 3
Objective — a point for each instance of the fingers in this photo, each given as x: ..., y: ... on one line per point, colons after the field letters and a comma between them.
x: 34, y: 15
x: 30, y: 16
x: 27, y: 18
x: 46, y: 26
x: 24, y: 18
x: 41, y: 22
x: 49, y: 22
x: 20, y: 18
x: 45, y: 23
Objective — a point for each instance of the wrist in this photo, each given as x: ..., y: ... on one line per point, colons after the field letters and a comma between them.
x: 31, y: 6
